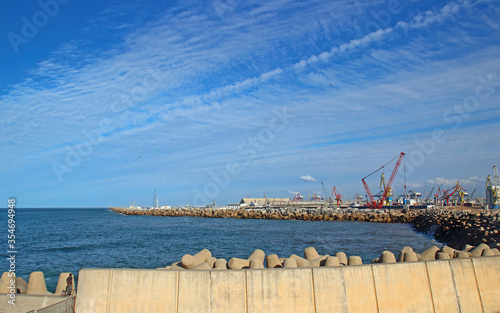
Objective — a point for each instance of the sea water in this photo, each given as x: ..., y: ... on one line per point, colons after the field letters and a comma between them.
x: 64, y: 240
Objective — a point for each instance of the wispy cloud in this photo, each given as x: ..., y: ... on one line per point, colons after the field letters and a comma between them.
x: 307, y: 178
x: 185, y: 89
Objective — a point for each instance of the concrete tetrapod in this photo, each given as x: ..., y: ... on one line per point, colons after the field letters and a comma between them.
x: 177, y: 266
x: 387, y: 257
x: 355, y: 260
x: 319, y: 261
x: 257, y: 254
x: 476, y: 252
x: 410, y: 256
x: 342, y: 258
x: 220, y: 264
x: 488, y: 252
x: 310, y: 253
x: 441, y: 255
x: 5, y: 282
x: 449, y: 250
x: 203, y: 266
x: 237, y: 264
x: 301, y: 262
x: 429, y: 254
x: 461, y: 254
x: 273, y: 261
x: 36, y: 284
x: 332, y: 261
x: 255, y: 264
x: 61, y: 284
x: 190, y: 261
x: 21, y: 285
x: 401, y: 255
x: 290, y: 263
x: 211, y: 260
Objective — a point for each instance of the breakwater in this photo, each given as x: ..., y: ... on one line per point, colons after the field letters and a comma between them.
x: 449, y: 225
x: 444, y: 286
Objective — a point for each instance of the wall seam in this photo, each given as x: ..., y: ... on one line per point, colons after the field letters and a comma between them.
x: 110, y: 285
x: 430, y: 287
x: 477, y: 284
x: 313, y: 290
x: 455, y: 287
x: 177, y: 292
x: 246, y: 292
x: 210, y: 309
x: 375, y: 289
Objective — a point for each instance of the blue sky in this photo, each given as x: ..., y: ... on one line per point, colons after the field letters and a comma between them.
x: 103, y: 101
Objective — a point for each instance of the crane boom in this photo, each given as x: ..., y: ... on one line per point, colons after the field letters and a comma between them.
x: 373, y: 204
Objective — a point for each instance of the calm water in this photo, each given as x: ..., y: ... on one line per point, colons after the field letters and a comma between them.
x: 58, y: 240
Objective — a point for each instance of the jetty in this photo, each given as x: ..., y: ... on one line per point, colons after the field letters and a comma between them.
x: 462, y: 276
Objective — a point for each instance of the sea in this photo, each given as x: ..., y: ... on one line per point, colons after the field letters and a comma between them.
x: 67, y: 239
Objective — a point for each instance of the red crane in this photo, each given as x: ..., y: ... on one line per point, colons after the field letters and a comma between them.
x: 338, y: 196
x: 450, y: 192
x: 373, y: 203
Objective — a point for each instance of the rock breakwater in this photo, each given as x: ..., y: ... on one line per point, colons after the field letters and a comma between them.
x: 449, y: 225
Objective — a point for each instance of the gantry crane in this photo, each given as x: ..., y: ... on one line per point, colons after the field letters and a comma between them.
x: 338, y: 196
x: 372, y: 203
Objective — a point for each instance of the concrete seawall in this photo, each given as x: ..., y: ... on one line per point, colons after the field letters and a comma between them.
x: 455, y: 285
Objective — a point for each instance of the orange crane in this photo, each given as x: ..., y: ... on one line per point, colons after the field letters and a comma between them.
x: 373, y: 203
x: 338, y: 196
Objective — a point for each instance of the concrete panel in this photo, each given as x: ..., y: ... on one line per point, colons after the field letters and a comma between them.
x: 280, y: 290
x: 93, y: 290
x: 444, y: 295
x: 359, y: 288
x: 25, y: 303
x: 488, y: 280
x: 227, y: 291
x: 329, y: 290
x: 464, y: 278
x: 194, y: 291
x: 402, y: 287
x: 142, y: 291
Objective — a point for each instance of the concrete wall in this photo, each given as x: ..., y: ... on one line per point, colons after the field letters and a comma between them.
x: 25, y: 303
x: 65, y: 306
x: 456, y: 285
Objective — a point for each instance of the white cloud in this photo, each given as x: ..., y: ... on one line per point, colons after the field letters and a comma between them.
x: 307, y: 178
x: 438, y: 181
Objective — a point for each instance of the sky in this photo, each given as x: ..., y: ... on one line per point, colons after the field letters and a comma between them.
x: 102, y: 102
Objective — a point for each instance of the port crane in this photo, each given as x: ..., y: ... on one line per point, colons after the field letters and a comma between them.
x: 450, y: 192
x: 491, y: 189
x: 378, y: 205
x: 326, y: 195
x: 388, y: 200
x: 427, y: 198
x: 338, y: 196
